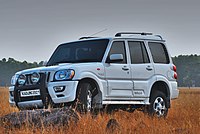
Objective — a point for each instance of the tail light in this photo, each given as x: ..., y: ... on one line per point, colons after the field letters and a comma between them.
x: 174, y: 68
x: 175, y: 73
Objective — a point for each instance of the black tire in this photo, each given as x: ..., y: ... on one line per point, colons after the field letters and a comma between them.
x: 84, y: 99
x: 158, y: 105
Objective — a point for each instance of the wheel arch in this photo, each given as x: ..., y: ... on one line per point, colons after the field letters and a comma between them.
x: 97, y: 94
x: 163, y: 87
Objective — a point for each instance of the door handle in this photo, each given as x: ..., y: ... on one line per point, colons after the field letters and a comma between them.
x: 149, y: 68
x: 125, y: 68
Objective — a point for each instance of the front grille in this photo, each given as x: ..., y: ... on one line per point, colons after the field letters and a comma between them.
x: 41, y: 85
x: 48, y: 77
x: 29, y: 81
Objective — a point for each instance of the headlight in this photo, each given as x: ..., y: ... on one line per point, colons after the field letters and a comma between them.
x: 14, y: 79
x: 21, y: 79
x: 64, y: 75
x: 35, y: 77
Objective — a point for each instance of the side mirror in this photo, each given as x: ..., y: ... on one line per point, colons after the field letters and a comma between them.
x: 115, y: 58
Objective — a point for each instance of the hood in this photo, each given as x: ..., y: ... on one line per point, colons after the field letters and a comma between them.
x: 45, y: 68
x: 56, y: 67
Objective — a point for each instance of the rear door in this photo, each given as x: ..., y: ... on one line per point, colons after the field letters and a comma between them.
x: 141, y: 68
x: 118, y: 76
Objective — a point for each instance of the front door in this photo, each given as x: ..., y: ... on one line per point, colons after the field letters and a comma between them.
x: 118, y: 75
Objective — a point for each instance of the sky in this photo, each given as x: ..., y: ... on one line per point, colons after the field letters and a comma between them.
x: 31, y: 29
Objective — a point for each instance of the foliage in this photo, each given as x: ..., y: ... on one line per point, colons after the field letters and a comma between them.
x: 188, y: 69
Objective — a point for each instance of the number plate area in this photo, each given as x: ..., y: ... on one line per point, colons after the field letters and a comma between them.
x: 29, y: 93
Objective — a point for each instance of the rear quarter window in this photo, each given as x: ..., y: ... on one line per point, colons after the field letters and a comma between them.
x: 159, y: 52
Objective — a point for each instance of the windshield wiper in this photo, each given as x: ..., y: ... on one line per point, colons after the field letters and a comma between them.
x: 58, y: 62
x: 64, y: 61
x: 85, y: 60
x: 75, y: 61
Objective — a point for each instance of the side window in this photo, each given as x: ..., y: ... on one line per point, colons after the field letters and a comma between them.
x: 159, y: 52
x: 118, y: 47
x: 138, y: 52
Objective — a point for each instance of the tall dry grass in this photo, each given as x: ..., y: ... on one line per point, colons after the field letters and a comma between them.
x: 4, y: 103
x: 183, y: 117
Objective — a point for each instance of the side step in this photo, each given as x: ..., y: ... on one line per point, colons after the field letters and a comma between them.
x: 125, y: 102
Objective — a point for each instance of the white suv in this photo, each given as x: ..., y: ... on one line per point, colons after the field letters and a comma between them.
x: 128, y: 69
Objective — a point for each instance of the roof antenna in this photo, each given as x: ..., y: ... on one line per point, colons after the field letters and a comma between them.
x: 91, y: 36
x: 99, y: 32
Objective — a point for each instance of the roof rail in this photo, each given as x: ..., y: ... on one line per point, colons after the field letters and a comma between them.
x: 86, y: 38
x: 140, y: 33
x: 159, y: 36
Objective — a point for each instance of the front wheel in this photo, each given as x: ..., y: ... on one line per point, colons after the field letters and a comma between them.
x: 84, y: 97
x: 158, y: 105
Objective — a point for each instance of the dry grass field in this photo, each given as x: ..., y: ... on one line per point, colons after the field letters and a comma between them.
x: 183, y: 118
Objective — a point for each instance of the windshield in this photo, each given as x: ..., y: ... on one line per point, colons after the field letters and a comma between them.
x: 81, y: 51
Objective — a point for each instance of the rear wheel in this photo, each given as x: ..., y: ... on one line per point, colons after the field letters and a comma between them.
x: 158, y: 105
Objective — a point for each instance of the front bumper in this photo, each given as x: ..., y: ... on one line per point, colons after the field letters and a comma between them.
x: 68, y: 95
x: 11, y: 97
x: 48, y: 94
x: 31, y: 104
